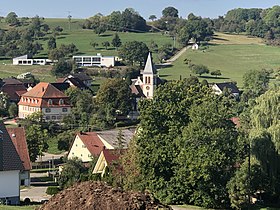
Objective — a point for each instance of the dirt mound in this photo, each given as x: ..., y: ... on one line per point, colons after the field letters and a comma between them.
x: 99, y: 196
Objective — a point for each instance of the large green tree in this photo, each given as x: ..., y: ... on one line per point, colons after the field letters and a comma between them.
x: 134, y: 51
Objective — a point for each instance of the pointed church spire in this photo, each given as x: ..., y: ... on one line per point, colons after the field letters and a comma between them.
x: 149, y: 67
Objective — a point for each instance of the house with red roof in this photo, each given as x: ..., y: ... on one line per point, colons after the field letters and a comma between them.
x: 106, y: 158
x: 18, y: 138
x: 45, y: 98
x: 13, y: 88
x: 10, y: 167
x: 90, y: 144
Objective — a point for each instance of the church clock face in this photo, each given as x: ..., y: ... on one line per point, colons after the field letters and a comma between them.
x: 147, y: 88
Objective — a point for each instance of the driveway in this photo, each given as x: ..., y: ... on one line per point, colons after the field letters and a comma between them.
x: 35, y: 194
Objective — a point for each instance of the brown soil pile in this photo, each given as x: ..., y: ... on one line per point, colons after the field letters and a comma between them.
x: 99, y: 196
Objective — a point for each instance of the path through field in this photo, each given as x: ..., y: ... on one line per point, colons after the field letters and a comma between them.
x: 175, y: 57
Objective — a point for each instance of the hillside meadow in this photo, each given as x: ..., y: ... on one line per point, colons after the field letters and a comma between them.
x: 233, y: 55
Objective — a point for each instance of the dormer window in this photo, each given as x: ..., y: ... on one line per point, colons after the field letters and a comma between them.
x: 61, y: 101
x: 50, y: 102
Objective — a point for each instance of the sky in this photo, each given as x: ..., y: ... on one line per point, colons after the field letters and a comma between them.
x: 88, y: 8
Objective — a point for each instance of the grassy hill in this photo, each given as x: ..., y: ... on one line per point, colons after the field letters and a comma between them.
x: 232, y: 54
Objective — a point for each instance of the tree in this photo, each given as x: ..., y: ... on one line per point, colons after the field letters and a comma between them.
x: 165, y: 115
x: 64, y: 140
x: 51, y: 43
x: 216, y: 73
x: 112, y: 99
x: 170, y: 12
x: 106, y: 44
x: 134, y: 52
x: 152, y: 17
x: 116, y: 41
x: 120, y: 141
x: 11, y: 19
x: 209, y: 141
x: 73, y: 171
x: 94, y: 44
x: 55, y: 54
x: 36, y: 140
x: 200, y: 69
x: 62, y: 68
x: 256, y: 81
x: 13, y: 110
x: 4, y: 104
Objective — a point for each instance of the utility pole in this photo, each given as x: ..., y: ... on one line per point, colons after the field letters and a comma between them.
x: 69, y: 19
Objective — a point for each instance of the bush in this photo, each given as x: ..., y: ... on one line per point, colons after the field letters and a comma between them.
x: 52, y: 190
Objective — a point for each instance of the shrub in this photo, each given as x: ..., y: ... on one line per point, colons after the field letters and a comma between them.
x: 52, y: 190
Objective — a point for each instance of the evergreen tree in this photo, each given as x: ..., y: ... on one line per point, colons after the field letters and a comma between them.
x: 116, y: 41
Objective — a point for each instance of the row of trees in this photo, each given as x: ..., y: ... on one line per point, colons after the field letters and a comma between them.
x: 262, y: 23
x: 127, y: 20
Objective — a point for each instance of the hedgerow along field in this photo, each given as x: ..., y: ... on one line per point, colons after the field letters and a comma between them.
x: 233, y: 55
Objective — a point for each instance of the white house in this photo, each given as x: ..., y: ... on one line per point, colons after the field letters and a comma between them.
x: 90, y: 144
x: 28, y: 60
x: 45, y: 98
x: 94, y: 60
x: 218, y: 88
x: 10, y: 167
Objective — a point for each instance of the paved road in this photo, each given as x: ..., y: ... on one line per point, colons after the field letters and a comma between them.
x: 35, y: 194
x: 175, y: 57
x: 47, y: 157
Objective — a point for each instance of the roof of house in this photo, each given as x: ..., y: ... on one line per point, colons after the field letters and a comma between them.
x: 14, y: 91
x: 92, y: 142
x: 110, y: 136
x: 149, y: 66
x: 62, y: 86
x: 229, y: 85
x: 11, y: 81
x: 9, y: 158
x: 18, y: 138
x: 81, y: 76
x: 77, y: 82
x: 45, y: 90
x: 111, y: 155
x: 136, y: 89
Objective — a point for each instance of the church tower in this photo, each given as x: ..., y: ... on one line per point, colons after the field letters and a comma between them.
x: 149, y: 78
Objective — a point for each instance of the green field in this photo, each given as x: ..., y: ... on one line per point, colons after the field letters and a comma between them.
x: 232, y: 54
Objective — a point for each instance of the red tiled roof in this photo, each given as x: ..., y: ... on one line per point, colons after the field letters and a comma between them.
x: 44, y: 90
x: 111, y: 155
x: 92, y: 142
x: 236, y: 121
x: 18, y: 137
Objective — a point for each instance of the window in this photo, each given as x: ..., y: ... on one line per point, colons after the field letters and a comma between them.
x: 83, y: 146
x: 48, y: 110
x: 50, y: 102
x: 149, y: 80
x: 81, y: 155
x: 53, y: 117
x: 87, y: 59
x: 48, y: 118
x: 64, y: 110
x: 61, y: 101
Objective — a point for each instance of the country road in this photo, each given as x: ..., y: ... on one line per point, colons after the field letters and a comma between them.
x: 175, y: 57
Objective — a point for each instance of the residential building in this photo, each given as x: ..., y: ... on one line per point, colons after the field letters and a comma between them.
x: 86, y: 146
x: 94, y: 60
x: 28, y: 60
x: 18, y: 138
x: 10, y: 167
x: 219, y: 88
x: 13, y: 88
x: 90, y: 144
x: 45, y: 98
x: 106, y: 158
